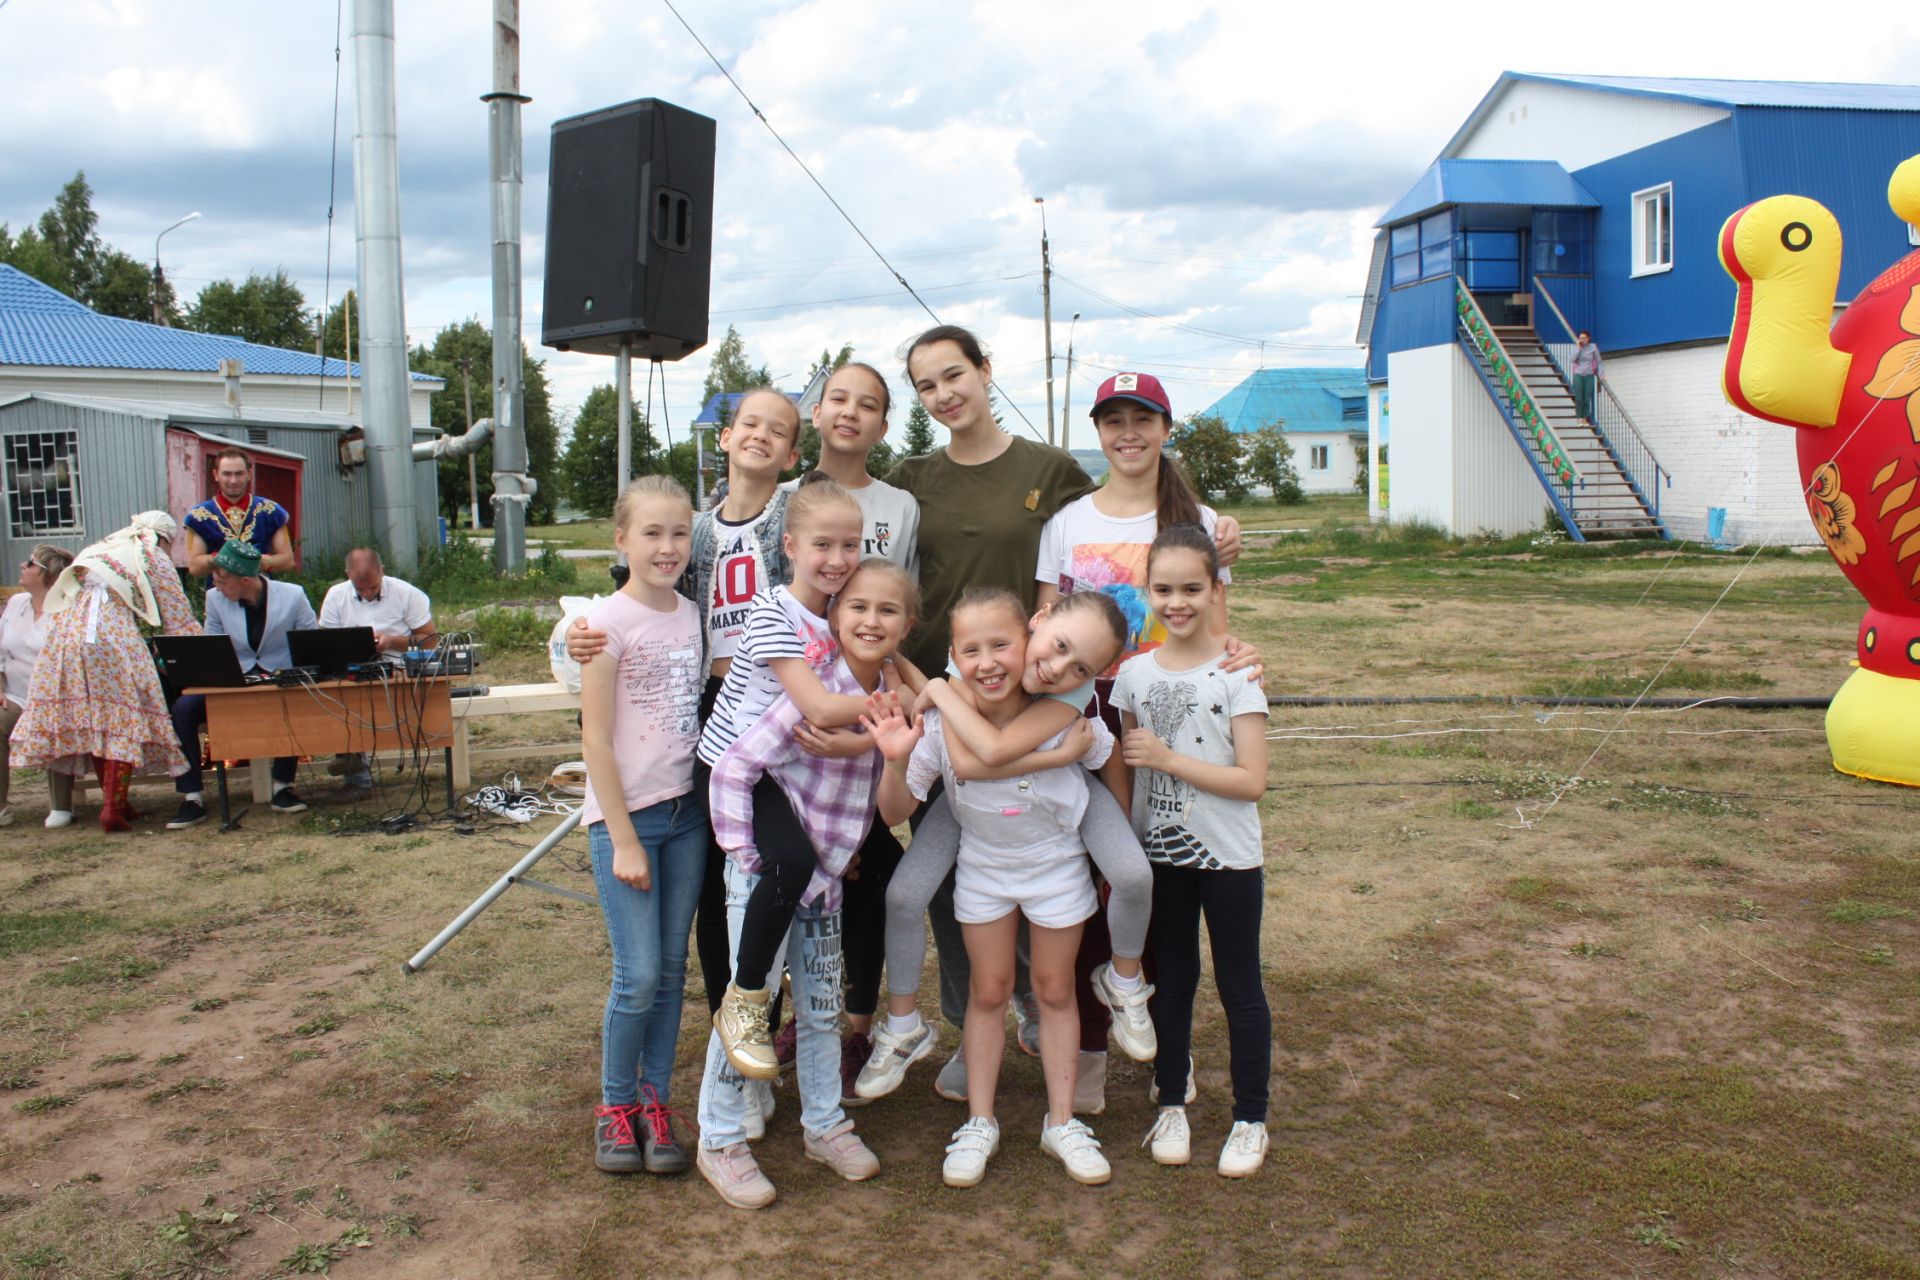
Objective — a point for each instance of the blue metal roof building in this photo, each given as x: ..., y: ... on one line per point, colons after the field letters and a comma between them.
x: 1582, y: 202
x: 1300, y: 400
x: 40, y: 326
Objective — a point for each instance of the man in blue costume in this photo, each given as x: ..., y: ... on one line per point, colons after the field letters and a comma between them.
x: 236, y: 511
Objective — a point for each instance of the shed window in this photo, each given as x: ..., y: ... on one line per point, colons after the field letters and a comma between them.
x: 1563, y: 243
x: 1423, y: 250
x: 43, y: 482
x: 1653, y: 230
x: 1319, y: 458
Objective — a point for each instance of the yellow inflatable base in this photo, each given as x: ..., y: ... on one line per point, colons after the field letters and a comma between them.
x: 1873, y: 728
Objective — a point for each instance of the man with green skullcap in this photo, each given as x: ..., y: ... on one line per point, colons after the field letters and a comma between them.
x: 255, y: 613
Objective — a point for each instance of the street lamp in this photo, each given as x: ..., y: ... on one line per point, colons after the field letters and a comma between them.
x: 159, y: 278
x: 1066, y: 399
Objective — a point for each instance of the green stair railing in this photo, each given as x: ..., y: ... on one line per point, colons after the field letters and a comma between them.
x: 1526, y: 414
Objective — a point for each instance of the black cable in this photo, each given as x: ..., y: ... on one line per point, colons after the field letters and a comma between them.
x: 838, y: 208
x: 333, y: 172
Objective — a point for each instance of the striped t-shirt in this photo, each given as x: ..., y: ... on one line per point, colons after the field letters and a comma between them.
x: 778, y: 626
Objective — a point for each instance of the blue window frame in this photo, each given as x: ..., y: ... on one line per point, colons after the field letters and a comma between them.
x: 1492, y: 260
x: 1563, y: 243
x: 1422, y: 250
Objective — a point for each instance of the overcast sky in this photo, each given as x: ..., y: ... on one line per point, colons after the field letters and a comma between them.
x: 1215, y: 166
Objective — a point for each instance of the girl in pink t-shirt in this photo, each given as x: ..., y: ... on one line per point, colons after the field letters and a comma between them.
x: 646, y: 822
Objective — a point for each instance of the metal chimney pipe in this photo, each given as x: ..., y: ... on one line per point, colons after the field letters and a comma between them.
x: 383, y: 334
x: 512, y: 488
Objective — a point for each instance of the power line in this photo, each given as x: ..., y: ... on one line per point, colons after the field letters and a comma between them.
x: 812, y: 177
x: 871, y: 297
x: 1201, y: 330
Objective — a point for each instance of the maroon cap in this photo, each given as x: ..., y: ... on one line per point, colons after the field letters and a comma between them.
x: 1141, y: 388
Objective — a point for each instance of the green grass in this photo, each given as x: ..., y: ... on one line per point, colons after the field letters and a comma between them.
x: 1685, y: 676
x: 37, y: 930
x: 1852, y: 911
x: 113, y: 970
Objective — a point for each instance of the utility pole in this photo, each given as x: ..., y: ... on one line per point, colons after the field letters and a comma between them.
x: 1046, y: 307
x: 1066, y: 398
x: 623, y: 416
x: 513, y: 488
x: 473, y: 478
x: 383, y: 325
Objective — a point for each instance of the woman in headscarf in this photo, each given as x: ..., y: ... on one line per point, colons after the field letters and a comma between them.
x: 96, y: 692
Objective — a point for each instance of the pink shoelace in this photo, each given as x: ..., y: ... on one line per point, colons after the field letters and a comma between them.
x: 658, y: 1114
x: 622, y: 1117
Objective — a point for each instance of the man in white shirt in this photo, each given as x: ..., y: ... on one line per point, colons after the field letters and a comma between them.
x: 401, y: 618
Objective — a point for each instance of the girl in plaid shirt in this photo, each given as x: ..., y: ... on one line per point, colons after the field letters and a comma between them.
x: 762, y: 783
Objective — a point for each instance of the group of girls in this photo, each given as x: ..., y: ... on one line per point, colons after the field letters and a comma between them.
x: 785, y: 678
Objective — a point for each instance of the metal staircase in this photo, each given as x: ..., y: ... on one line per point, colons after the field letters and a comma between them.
x: 1598, y: 489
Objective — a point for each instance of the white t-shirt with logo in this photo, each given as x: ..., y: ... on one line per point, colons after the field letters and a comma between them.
x: 1192, y: 712
x: 738, y: 576
x: 889, y: 526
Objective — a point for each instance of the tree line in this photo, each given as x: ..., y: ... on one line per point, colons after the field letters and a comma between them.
x: 64, y: 249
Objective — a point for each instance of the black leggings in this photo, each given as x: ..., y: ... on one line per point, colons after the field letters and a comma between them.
x: 863, y: 919
x: 787, y: 862
x: 1231, y: 901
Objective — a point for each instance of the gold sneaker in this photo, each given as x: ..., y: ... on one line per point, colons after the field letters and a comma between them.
x: 741, y: 1022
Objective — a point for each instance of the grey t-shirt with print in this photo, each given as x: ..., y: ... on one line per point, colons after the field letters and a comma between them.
x: 1192, y: 712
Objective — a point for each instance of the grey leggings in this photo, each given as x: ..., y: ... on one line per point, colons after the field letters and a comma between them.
x: 936, y: 846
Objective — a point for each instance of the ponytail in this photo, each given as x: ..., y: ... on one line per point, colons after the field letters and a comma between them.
x: 1175, y: 501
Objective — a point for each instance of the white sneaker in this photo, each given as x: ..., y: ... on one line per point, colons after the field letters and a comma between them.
x: 60, y: 818
x: 1132, y: 1027
x: 1170, y: 1140
x: 1153, y: 1086
x: 973, y: 1145
x: 951, y: 1083
x: 1090, y: 1084
x: 1245, y: 1151
x: 887, y: 1065
x: 1074, y: 1146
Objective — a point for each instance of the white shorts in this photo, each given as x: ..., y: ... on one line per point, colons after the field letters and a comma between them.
x: 1052, y: 897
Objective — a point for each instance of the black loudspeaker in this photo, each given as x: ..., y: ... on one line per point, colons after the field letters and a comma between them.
x: 629, y: 231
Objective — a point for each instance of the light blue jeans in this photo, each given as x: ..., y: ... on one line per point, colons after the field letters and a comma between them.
x: 648, y: 929
x: 813, y: 946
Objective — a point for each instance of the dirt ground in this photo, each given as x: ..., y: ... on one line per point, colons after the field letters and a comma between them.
x: 1557, y: 992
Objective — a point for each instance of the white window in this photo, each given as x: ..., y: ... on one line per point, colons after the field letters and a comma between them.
x: 1319, y: 456
x: 1653, y: 230
x: 43, y: 482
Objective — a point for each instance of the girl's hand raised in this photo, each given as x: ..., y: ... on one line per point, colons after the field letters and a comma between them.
x: 893, y: 732
x: 630, y: 866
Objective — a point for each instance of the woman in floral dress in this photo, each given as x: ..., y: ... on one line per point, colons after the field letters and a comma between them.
x: 96, y: 692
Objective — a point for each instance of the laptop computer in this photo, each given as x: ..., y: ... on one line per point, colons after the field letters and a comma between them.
x: 199, y: 662
x: 331, y: 650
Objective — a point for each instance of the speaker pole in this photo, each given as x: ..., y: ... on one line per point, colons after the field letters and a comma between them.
x: 623, y: 415
x: 513, y: 489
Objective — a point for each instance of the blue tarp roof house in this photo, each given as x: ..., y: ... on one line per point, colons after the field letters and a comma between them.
x: 40, y: 326
x: 1301, y: 400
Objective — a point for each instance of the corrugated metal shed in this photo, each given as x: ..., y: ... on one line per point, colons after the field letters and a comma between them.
x: 40, y: 326
x: 121, y: 466
x: 1302, y: 399
x: 1538, y: 184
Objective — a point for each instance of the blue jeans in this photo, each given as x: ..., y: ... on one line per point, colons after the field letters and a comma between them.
x: 648, y: 929
x: 817, y: 975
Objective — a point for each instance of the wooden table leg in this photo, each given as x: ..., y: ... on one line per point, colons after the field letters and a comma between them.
x: 460, y: 756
